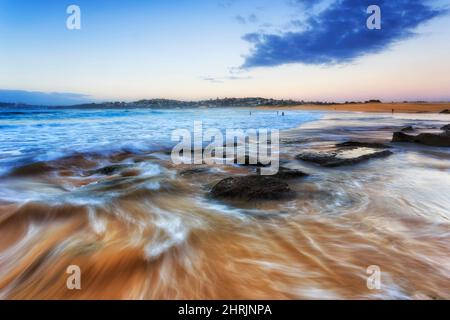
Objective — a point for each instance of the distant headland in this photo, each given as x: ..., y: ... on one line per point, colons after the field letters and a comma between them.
x: 373, y: 105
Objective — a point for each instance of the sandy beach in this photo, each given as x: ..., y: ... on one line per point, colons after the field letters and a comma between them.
x: 140, y: 227
x: 372, y: 107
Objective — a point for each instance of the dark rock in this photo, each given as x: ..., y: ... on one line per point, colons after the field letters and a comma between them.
x: 446, y: 111
x: 402, y: 137
x: 250, y: 162
x: 357, y: 144
x: 429, y: 139
x: 333, y: 160
x: 319, y: 158
x: 110, y: 170
x: 286, y: 173
x: 193, y: 171
x: 32, y: 169
x: 407, y: 129
x: 251, y: 188
x: 446, y: 127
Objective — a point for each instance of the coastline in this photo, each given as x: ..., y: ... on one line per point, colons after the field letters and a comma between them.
x: 369, y: 107
x: 127, y: 217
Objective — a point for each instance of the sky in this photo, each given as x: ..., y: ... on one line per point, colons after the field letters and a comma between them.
x: 199, y: 49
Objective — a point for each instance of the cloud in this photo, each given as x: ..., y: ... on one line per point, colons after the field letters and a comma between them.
x: 240, y: 19
x: 212, y: 79
x: 43, y: 98
x: 339, y: 34
x: 251, y: 18
x: 226, y: 3
x: 223, y: 79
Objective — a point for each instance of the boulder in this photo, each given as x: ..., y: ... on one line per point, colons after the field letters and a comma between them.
x: 193, y: 171
x: 319, y: 157
x: 110, y: 170
x: 429, y: 139
x: 251, y: 188
x: 402, y: 137
x: 446, y: 127
x: 357, y: 144
x: 446, y: 111
x: 286, y: 173
x: 250, y: 162
x: 332, y: 159
x: 36, y: 168
x: 407, y: 129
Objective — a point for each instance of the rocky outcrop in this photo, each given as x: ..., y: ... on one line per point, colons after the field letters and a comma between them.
x: 429, y: 139
x: 332, y: 159
x: 250, y: 162
x: 407, y: 129
x: 193, y: 171
x: 110, y: 170
x: 286, y: 173
x: 402, y: 137
x: 357, y: 144
x: 251, y: 188
x: 32, y: 169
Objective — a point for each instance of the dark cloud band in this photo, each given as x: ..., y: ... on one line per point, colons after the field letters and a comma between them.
x: 339, y: 34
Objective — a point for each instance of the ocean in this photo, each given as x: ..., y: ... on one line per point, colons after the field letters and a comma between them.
x: 97, y: 189
x: 42, y: 134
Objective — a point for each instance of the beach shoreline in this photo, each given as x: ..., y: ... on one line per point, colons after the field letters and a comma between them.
x: 129, y: 218
x: 369, y: 107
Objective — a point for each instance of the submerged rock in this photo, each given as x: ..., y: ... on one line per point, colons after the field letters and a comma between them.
x: 250, y: 162
x: 193, y: 171
x: 286, y: 173
x: 402, y: 137
x: 357, y: 144
x: 407, y: 129
x: 32, y: 169
x: 251, y: 188
x: 110, y: 170
x: 333, y: 159
x: 429, y: 139
x: 319, y: 157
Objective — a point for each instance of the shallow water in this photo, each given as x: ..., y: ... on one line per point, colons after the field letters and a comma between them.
x: 30, y: 135
x: 151, y: 231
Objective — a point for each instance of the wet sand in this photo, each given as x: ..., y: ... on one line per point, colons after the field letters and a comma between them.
x: 150, y: 230
x: 371, y: 107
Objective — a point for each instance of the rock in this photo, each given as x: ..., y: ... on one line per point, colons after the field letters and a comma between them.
x: 402, y: 137
x: 429, y: 139
x: 249, y: 163
x: 446, y: 127
x: 110, y: 170
x: 319, y: 158
x: 251, y: 188
x: 407, y: 129
x: 286, y: 173
x: 32, y: 169
x: 193, y: 171
x: 333, y: 160
x: 357, y: 144
x: 446, y: 111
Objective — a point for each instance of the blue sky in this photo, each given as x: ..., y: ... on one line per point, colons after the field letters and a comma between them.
x: 196, y: 49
